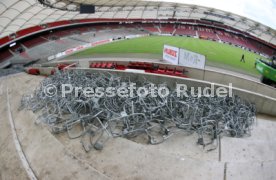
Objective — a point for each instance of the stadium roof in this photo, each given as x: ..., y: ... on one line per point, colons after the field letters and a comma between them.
x: 21, y: 14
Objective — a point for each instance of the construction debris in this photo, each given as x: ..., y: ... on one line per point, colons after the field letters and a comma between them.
x: 96, y: 119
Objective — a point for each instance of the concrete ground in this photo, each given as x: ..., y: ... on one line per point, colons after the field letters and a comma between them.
x: 57, y: 157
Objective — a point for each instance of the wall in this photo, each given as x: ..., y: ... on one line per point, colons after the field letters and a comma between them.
x: 264, y: 104
x: 206, y: 75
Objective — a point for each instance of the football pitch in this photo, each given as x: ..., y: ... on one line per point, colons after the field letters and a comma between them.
x: 216, y: 53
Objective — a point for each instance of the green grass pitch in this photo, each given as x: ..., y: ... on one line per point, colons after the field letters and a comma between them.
x: 216, y: 53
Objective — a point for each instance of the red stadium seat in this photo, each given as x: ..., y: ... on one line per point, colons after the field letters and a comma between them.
x: 103, y: 65
x: 120, y: 67
x: 161, y: 71
x: 33, y: 71
x: 110, y: 65
x: 98, y: 65
x: 178, y: 73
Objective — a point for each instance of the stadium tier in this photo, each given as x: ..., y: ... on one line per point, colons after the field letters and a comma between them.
x: 153, y: 28
x: 185, y: 30
x: 207, y: 33
x: 34, y: 42
x: 167, y: 28
x: 5, y: 55
x: 85, y: 33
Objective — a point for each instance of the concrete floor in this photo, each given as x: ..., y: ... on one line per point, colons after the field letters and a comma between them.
x: 57, y: 157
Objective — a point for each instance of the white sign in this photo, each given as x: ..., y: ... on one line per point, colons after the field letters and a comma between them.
x: 171, y: 54
x: 191, y: 59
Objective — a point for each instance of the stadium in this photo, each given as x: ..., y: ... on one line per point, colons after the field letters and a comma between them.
x: 82, y: 91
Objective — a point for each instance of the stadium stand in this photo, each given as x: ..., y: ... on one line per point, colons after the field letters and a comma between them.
x: 153, y: 28
x: 52, y: 42
x: 85, y: 37
x: 51, y: 47
x: 167, y: 28
x: 17, y: 49
x: 185, y: 30
x: 207, y: 33
x: 80, y: 30
x: 5, y: 55
x: 58, y: 34
x: 224, y: 36
x: 34, y: 42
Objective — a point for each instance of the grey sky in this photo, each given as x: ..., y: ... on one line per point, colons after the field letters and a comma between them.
x: 263, y: 11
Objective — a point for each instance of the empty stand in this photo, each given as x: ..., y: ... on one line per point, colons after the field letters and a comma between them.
x: 207, y: 33
x: 34, y: 42
x: 5, y: 55
x: 151, y: 28
x: 41, y: 47
x: 185, y: 30
x: 167, y: 28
